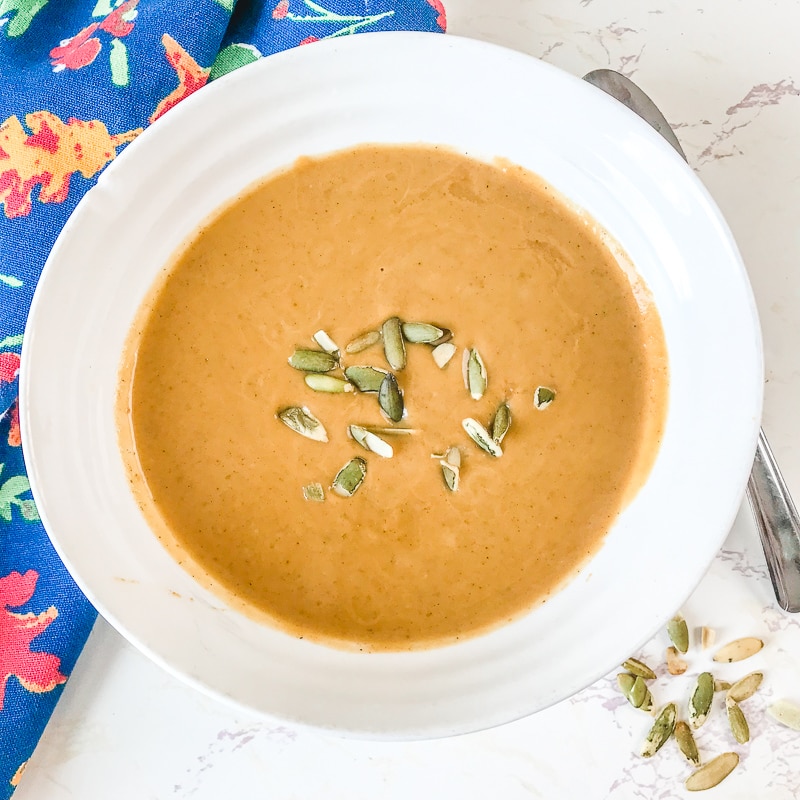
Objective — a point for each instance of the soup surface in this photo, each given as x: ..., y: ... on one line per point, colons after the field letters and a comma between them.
x: 342, y: 243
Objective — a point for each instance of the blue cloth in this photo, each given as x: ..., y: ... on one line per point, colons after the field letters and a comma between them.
x: 79, y: 79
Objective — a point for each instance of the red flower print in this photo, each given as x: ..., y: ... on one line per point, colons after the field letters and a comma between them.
x: 78, y: 51
x: 14, y: 435
x: 310, y: 39
x: 281, y: 10
x: 36, y: 671
x: 9, y: 367
x: 191, y: 76
x: 441, y: 20
x: 115, y: 24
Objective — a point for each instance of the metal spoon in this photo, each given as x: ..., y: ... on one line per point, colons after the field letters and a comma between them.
x: 775, y: 514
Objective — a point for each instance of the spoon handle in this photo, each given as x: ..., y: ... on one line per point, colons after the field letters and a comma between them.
x: 778, y: 525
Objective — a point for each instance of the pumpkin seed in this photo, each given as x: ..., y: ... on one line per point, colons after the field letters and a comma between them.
x: 700, y: 701
x: 481, y: 437
x: 543, y: 397
x: 393, y: 345
x: 303, y: 422
x: 707, y: 637
x: 453, y: 456
x: 686, y: 743
x: 635, y: 690
x: 675, y: 664
x: 424, y: 333
x: 451, y: 474
x: 313, y: 360
x: 314, y: 492
x: 390, y: 398
x: 713, y: 773
x: 365, y: 379
x: 745, y: 687
x: 738, y: 650
x: 326, y: 343
x: 327, y: 383
x: 390, y: 431
x: 476, y: 375
x: 678, y: 632
x: 362, y: 342
x: 501, y: 422
x: 443, y: 353
x: 737, y: 721
x: 636, y: 667
x: 369, y: 441
x: 787, y: 713
x: 350, y: 477
x: 721, y: 686
x: 662, y: 729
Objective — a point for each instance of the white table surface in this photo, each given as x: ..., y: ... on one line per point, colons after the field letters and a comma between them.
x: 727, y: 76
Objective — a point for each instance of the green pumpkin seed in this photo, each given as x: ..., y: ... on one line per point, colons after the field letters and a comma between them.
x: 362, y: 342
x: 700, y: 701
x: 737, y: 720
x: 365, y: 379
x: 678, y: 632
x: 721, y: 686
x: 393, y: 345
x: 661, y: 731
x: 501, y: 422
x: 350, y: 477
x: 424, y: 333
x: 327, y: 383
x: 443, y: 353
x: 636, y: 667
x: 686, y: 743
x: 313, y: 360
x: 635, y: 690
x: 390, y: 398
x: 370, y: 441
x: 712, y: 773
x: 745, y: 687
x: 477, y: 379
x: 787, y: 713
x: 303, y: 422
x: 738, y: 650
x: 326, y: 343
x: 314, y: 492
x: 543, y: 397
x: 451, y: 468
x: 481, y: 437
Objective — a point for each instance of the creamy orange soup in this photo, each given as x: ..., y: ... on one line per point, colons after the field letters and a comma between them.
x: 343, y: 243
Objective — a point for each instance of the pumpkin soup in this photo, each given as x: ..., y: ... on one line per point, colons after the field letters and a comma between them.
x: 475, y: 387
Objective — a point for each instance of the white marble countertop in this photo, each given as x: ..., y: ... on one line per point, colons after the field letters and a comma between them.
x: 727, y: 75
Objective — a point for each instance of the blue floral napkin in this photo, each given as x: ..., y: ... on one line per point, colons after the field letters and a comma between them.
x: 79, y: 79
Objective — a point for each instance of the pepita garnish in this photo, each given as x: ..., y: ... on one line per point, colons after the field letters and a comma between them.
x: 707, y: 637
x: 675, y: 664
x: 303, y: 422
x: 390, y: 431
x: 350, y: 477
x: 721, y: 686
x: 393, y: 344
x: 636, y: 667
x: 787, y: 713
x: 738, y: 650
x: 712, y: 773
x: 366, y: 378
x: 501, y: 422
x: 736, y: 719
x: 481, y: 437
x: 745, y: 687
x: 635, y: 690
x: 313, y: 360
x: 477, y: 378
x: 390, y: 398
x: 327, y: 383
x: 686, y: 743
x: 362, y: 342
x: 451, y: 468
x: 662, y: 729
x: 370, y: 441
x: 700, y: 701
x: 314, y: 492
x: 678, y: 632
x: 543, y: 397
x: 424, y: 333
x: 326, y: 343
x: 443, y: 353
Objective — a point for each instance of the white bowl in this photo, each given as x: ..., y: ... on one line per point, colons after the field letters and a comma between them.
x: 393, y: 87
